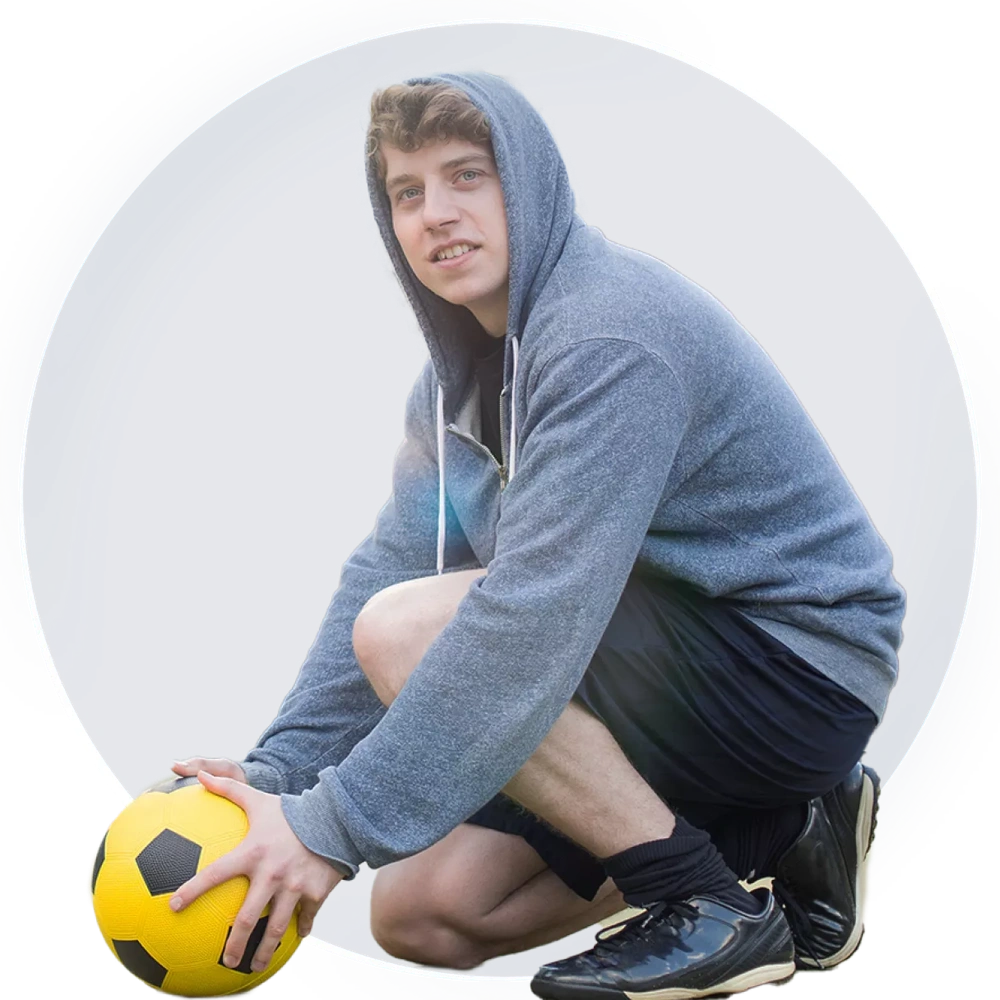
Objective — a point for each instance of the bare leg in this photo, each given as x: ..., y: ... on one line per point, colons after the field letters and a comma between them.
x: 578, y: 780
x: 474, y: 895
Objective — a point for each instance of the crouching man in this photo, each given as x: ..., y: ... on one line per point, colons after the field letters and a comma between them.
x: 622, y: 631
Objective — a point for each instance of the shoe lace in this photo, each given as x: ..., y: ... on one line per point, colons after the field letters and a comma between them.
x: 642, y: 926
x: 798, y: 919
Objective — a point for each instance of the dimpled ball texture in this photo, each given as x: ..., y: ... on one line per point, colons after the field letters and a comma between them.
x: 160, y: 840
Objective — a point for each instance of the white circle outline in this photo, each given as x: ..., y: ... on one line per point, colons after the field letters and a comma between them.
x: 798, y: 121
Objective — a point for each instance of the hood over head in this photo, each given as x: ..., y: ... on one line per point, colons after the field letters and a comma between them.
x: 540, y: 211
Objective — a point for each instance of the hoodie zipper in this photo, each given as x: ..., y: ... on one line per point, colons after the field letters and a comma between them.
x: 503, y: 439
x: 479, y: 446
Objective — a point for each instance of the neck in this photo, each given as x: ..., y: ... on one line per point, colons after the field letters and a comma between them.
x: 492, y: 316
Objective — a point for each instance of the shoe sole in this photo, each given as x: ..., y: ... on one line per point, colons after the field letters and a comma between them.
x: 745, y: 981
x: 864, y: 833
x: 776, y: 974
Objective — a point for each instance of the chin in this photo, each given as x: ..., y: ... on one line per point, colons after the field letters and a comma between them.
x: 457, y: 298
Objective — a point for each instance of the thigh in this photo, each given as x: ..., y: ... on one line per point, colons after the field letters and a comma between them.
x: 714, y: 712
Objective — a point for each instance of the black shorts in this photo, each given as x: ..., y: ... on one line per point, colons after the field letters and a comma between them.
x: 718, y: 716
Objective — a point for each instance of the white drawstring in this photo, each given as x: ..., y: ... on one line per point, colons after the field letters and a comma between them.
x: 440, y: 450
x: 513, y: 411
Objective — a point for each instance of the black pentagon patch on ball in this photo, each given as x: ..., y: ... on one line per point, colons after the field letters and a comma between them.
x: 167, y: 862
x: 98, y: 861
x: 168, y: 785
x: 139, y: 962
x: 256, y: 936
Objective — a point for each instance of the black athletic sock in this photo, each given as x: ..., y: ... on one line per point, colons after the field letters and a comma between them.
x: 683, y: 865
x: 752, y: 841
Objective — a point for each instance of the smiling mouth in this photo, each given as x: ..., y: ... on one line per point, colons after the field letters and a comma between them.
x: 454, y: 261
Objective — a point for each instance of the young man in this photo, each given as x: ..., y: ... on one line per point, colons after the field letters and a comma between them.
x: 620, y: 578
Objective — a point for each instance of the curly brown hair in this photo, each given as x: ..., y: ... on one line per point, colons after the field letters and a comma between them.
x: 407, y: 116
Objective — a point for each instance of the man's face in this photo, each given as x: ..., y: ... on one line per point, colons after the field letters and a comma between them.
x: 446, y: 193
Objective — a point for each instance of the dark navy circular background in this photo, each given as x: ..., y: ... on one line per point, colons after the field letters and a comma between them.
x: 216, y: 414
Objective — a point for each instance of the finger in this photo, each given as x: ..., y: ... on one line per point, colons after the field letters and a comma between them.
x: 214, y: 765
x: 235, y: 791
x: 258, y: 894
x: 278, y: 919
x: 221, y: 870
x: 307, y: 914
x: 192, y: 765
x: 309, y: 907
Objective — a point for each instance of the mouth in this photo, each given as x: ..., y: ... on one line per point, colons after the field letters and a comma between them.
x: 453, y: 262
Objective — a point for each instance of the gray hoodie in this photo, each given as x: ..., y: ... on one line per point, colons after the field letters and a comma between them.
x: 642, y: 429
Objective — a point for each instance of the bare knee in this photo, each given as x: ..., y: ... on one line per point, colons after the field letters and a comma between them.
x: 382, y: 630
x: 397, y: 625
x: 414, y: 922
x: 371, y: 639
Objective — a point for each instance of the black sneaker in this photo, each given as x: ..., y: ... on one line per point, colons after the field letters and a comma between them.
x: 701, y: 947
x: 818, y: 880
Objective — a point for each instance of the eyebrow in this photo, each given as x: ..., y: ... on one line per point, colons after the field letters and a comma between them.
x: 448, y: 165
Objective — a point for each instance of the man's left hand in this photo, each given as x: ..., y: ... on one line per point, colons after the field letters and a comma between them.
x: 280, y: 867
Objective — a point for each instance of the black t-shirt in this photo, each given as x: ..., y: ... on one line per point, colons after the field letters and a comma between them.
x: 488, y: 361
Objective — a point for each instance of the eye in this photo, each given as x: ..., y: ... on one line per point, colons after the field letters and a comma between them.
x: 475, y: 173
x: 400, y: 197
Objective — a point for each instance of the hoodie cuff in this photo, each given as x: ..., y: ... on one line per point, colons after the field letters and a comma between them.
x: 320, y: 830
x: 263, y: 777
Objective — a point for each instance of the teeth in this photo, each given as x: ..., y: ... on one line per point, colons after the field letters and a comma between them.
x: 454, y: 251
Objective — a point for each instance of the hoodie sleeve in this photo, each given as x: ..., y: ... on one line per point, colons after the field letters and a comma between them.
x: 604, y: 420
x: 331, y: 704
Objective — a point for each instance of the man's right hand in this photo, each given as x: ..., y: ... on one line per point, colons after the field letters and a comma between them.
x: 221, y: 767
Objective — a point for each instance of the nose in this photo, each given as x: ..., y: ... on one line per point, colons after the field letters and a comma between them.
x: 440, y: 207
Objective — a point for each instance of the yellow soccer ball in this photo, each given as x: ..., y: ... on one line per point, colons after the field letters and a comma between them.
x: 161, y: 839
